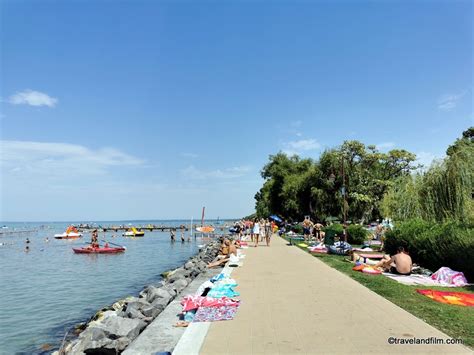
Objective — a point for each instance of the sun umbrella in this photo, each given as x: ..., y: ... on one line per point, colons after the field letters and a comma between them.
x: 276, y: 218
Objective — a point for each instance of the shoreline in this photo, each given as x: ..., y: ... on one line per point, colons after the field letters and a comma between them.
x: 114, y: 327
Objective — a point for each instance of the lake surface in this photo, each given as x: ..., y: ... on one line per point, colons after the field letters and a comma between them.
x: 46, y: 291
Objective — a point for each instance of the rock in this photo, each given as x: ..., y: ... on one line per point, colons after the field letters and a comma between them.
x: 189, y: 265
x: 155, y: 293
x: 140, y: 304
x: 91, y: 338
x: 169, y: 288
x: 120, y: 343
x: 180, y: 273
x: 133, y: 312
x: 123, y: 327
x: 94, y: 334
x: 179, y: 285
x: 201, y: 265
x: 152, y: 311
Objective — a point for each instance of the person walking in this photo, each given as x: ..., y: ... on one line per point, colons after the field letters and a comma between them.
x: 256, y: 231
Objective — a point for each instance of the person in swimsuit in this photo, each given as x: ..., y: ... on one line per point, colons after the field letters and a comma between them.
x: 400, y: 263
x: 95, y: 239
x: 317, y: 231
x: 307, y: 224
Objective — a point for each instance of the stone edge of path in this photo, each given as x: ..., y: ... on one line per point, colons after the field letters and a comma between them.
x: 191, y: 341
x: 115, y: 327
x: 161, y: 335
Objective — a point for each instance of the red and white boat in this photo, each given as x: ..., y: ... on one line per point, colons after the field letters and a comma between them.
x: 99, y: 250
x: 70, y: 233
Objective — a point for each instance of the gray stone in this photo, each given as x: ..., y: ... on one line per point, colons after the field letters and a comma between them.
x: 120, y: 343
x: 94, y: 334
x: 152, y: 311
x: 169, y: 288
x: 155, y: 293
x: 189, y: 265
x: 123, y: 327
x: 91, y: 338
x: 179, y: 285
x: 134, y: 313
x: 178, y: 274
x: 161, y: 302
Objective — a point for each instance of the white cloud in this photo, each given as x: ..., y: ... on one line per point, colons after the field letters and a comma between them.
x: 191, y: 172
x: 60, y: 159
x: 450, y: 101
x: 300, y: 146
x: 385, y: 145
x: 32, y: 98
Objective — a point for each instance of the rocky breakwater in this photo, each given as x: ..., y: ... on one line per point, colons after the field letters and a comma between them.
x: 113, y: 328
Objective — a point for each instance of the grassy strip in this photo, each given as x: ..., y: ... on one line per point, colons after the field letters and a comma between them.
x: 456, y: 321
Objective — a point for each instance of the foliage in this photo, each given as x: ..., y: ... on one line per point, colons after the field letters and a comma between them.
x: 356, y: 234
x: 295, y: 187
x: 443, y: 192
x: 434, y: 245
x: 331, y: 231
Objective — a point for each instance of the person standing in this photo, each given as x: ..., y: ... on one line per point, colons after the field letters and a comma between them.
x: 317, y: 231
x: 172, y: 235
x: 307, y: 228
x: 268, y: 231
x: 95, y: 239
x: 256, y: 231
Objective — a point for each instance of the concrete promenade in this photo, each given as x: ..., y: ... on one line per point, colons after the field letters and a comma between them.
x: 293, y: 303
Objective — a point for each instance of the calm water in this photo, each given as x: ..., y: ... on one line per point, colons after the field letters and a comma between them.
x: 46, y: 291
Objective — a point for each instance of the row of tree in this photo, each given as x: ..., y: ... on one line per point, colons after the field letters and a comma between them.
x: 444, y: 192
x: 368, y: 184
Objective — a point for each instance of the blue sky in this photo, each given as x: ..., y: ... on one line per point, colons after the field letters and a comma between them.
x: 153, y: 109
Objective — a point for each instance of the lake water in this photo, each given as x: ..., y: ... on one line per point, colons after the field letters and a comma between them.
x: 46, y: 291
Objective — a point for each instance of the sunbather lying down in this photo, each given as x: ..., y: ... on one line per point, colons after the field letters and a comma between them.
x: 400, y: 263
x: 227, y: 248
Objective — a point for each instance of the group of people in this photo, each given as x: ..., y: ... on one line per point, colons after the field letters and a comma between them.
x: 311, y: 230
x: 173, y: 236
x: 257, y: 230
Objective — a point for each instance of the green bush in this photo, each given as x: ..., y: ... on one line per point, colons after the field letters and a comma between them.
x: 331, y: 231
x: 433, y: 245
x: 356, y: 234
x: 298, y: 229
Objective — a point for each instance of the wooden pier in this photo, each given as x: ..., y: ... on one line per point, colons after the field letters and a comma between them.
x: 150, y: 228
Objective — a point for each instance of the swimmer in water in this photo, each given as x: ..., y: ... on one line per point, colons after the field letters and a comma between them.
x: 27, y: 249
x: 182, y: 236
x: 47, y: 240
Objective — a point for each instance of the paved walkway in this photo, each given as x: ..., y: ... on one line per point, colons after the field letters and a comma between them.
x: 293, y: 303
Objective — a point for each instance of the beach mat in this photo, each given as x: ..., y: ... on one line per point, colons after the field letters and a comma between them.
x: 456, y: 298
x: 416, y: 280
x: 213, y: 314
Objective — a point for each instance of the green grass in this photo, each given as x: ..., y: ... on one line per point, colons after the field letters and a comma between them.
x: 456, y: 321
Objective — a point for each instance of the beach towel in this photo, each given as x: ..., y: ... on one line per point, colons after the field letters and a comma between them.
x: 193, y: 302
x: 371, y: 270
x: 218, y: 277
x: 448, y: 276
x: 220, y: 291
x: 213, y: 314
x: 417, y: 280
x: 457, y: 298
